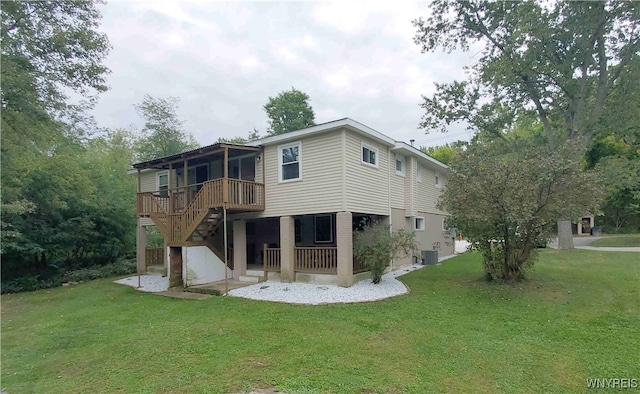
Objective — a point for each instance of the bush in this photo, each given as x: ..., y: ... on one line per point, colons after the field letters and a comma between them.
x: 120, y: 267
x: 377, y: 247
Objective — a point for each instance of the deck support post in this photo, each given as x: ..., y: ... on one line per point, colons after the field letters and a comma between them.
x: 344, y: 241
x: 287, y: 245
x: 226, y: 251
x: 141, y: 246
x: 239, y: 248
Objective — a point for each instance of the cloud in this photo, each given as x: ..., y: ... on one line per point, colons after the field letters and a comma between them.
x: 224, y: 60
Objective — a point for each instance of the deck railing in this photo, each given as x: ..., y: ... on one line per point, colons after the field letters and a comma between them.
x: 209, y: 196
x: 236, y: 194
x: 317, y: 260
x: 152, y: 202
x: 271, y: 259
x: 244, y: 194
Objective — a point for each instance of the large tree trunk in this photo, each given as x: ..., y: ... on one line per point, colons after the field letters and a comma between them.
x: 565, y: 237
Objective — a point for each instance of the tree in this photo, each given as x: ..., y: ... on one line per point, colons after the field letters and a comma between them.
x: 289, y: 111
x: 505, y: 200
x: 563, y: 61
x: 619, y: 162
x: 253, y: 135
x: 163, y: 133
x: 445, y: 153
x: 377, y: 247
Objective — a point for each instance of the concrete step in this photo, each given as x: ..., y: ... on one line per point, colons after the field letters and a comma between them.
x: 251, y: 278
x: 255, y: 273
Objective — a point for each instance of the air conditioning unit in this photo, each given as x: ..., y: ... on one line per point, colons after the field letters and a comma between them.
x: 429, y: 257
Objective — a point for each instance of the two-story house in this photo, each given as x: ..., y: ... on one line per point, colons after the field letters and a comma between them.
x: 287, y: 205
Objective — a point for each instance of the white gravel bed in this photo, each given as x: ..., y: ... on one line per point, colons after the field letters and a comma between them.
x: 314, y: 294
x: 300, y: 293
x: 148, y: 283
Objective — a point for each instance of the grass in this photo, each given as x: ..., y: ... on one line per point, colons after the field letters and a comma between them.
x: 576, y: 317
x: 618, y: 241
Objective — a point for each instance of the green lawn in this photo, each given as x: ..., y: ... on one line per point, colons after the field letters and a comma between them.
x: 618, y: 240
x: 576, y: 317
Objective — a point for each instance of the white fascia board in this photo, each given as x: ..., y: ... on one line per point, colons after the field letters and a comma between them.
x: 324, y: 127
x: 413, y: 151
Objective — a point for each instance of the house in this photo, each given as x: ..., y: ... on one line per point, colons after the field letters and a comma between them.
x: 286, y: 206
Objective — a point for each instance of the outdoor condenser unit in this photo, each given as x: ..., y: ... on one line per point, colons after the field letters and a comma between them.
x: 429, y: 257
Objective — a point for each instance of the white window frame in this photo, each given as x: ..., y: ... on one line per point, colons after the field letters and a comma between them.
x: 297, y: 144
x: 403, y: 165
x: 371, y: 148
x: 419, y: 173
x: 444, y: 227
x: 158, y: 175
x: 438, y: 180
x: 417, y: 227
x: 315, y: 229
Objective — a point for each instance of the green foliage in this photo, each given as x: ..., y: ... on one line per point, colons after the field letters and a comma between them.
x: 122, y: 266
x: 505, y: 198
x: 563, y: 60
x: 377, y: 246
x: 253, y: 135
x: 163, y: 133
x: 619, y: 161
x: 289, y: 111
x: 445, y: 153
x: 50, y: 46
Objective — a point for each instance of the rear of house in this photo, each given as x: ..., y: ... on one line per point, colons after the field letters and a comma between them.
x: 286, y: 206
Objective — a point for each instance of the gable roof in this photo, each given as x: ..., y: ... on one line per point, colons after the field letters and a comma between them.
x: 347, y: 123
x: 325, y: 127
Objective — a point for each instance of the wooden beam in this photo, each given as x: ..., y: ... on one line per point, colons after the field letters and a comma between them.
x: 139, y: 182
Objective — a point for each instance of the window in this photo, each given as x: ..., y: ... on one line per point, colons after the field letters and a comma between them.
x: 419, y: 223
x: 419, y: 173
x: 289, y: 162
x: 400, y: 165
x: 445, y: 226
x: 438, y: 182
x: 369, y: 155
x: 323, y: 229
x: 163, y: 184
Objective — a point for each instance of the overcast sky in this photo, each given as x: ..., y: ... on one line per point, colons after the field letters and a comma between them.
x: 224, y: 60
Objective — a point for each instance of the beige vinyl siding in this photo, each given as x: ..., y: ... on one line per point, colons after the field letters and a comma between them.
x: 427, y: 193
x: 410, y: 187
x: 320, y: 189
x: 367, y: 187
x: 148, y: 181
x: 397, y: 183
x: 433, y: 238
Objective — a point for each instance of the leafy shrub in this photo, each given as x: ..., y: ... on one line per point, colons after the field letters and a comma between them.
x: 377, y: 247
x: 120, y: 267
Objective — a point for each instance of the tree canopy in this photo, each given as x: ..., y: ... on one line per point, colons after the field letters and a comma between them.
x: 289, y: 111
x: 65, y: 199
x: 163, y: 133
x: 505, y: 200
x: 562, y: 60
x: 566, y: 62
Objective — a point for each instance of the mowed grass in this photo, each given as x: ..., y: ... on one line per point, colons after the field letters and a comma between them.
x: 618, y: 241
x: 576, y: 317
